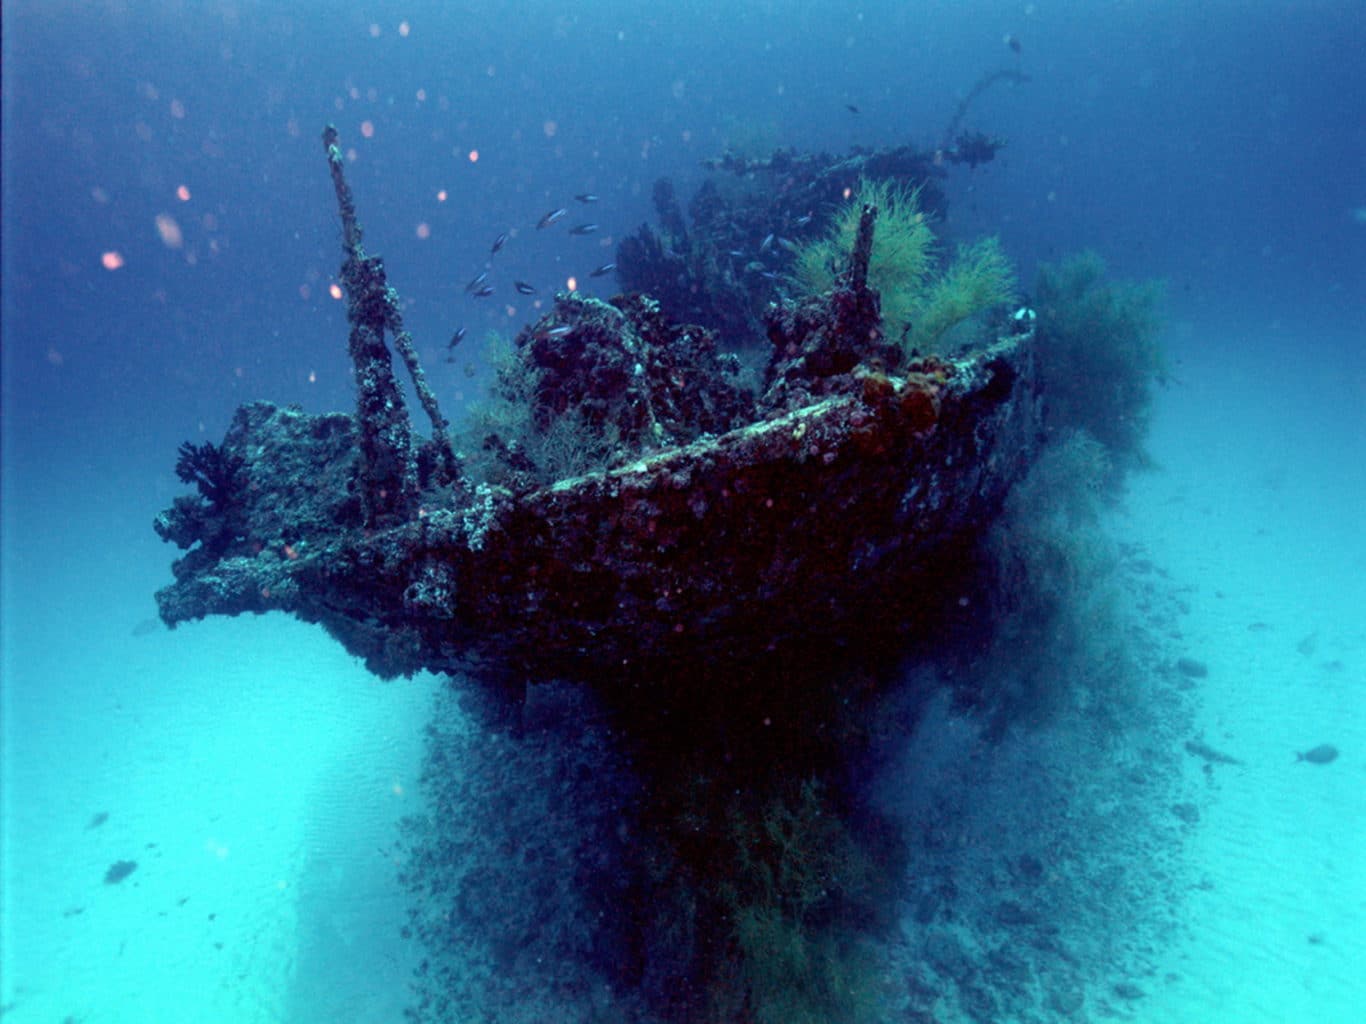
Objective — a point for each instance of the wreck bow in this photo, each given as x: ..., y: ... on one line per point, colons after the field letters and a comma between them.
x: 848, y: 494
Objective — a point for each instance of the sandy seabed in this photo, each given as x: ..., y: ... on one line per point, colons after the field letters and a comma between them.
x: 1257, y: 511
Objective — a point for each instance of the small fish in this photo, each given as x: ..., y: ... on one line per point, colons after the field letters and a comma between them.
x: 767, y: 243
x: 97, y: 819
x: 119, y: 870
x: 484, y: 292
x: 583, y: 229
x: 1192, y: 668
x: 803, y: 221
x: 789, y: 245
x: 1013, y: 41
x: 851, y: 108
x: 553, y: 217
x: 498, y: 243
x: 739, y: 254
x: 456, y: 338
x: 1324, y: 753
x: 477, y: 282
x: 603, y: 270
x: 1203, y: 750
x: 586, y: 197
x: 523, y: 288
x: 560, y: 331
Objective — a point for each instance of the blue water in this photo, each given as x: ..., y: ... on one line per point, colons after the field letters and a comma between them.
x: 255, y: 772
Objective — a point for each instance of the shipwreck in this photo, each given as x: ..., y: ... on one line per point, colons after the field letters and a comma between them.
x: 727, y: 526
x: 730, y: 565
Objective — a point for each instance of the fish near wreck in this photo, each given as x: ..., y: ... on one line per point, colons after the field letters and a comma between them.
x: 1199, y: 748
x: 722, y: 528
x: 553, y: 217
x: 1324, y: 753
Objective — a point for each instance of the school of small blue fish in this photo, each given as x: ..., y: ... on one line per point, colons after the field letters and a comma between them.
x: 479, y: 286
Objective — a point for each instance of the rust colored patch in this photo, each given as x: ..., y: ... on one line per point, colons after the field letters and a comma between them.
x: 920, y: 402
x: 876, y: 387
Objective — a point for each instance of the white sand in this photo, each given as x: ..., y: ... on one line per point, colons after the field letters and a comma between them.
x: 253, y: 770
x: 1260, y: 508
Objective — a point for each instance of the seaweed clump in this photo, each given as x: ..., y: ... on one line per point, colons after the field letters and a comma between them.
x: 729, y: 260
x: 211, y: 469
x: 213, y: 515
x: 901, y: 258
x: 1099, y: 356
x: 593, y: 384
x: 799, y: 894
x: 923, y: 297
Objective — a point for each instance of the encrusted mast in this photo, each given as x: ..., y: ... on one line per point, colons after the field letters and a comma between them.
x: 861, y: 311
x: 388, y: 468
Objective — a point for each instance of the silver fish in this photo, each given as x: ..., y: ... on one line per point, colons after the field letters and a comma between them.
x: 553, y: 217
